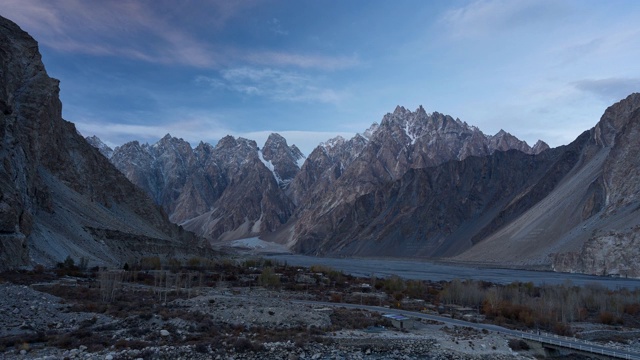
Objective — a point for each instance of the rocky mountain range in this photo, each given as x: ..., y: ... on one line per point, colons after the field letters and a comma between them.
x: 228, y: 191
x: 237, y: 190
x: 59, y: 196
x: 416, y: 185
x: 573, y: 208
x: 419, y: 185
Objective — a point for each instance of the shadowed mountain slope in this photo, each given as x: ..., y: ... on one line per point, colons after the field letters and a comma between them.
x: 58, y: 195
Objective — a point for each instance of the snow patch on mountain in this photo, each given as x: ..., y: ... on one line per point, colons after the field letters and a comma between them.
x: 370, y: 131
x: 269, y: 166
x: 332, y: 143
x: 300, y: 161
x: 407, y: 131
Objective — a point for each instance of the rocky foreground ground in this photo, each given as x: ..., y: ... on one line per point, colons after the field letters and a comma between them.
x: 218, y: 323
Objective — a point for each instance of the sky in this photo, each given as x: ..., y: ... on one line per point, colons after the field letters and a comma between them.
x: 311, y: 70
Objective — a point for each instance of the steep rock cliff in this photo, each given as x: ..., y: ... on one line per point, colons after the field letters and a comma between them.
x: 54, y: 186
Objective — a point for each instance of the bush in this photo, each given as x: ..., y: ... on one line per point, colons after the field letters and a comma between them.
x: 150, y: 263
x: 562, y: 329
x: 268, y: 278
x: 68, y: 263
x: 194, y: 262
x: 632, y: 309
x: 174, y: 265
x: 518, y: 345
x: 606, y: 318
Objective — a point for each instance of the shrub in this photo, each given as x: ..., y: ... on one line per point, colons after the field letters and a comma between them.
x: 562, y: 329
x: 518, y: 345
x: 606, y: 318
x: 150, y: 263
x: 68, y: 263
x: 632, y: 309
x: 268, y: 278
x: 174, y: 264
x: 194, y: 262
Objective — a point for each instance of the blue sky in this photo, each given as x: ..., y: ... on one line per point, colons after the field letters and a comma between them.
x: 311, y: 70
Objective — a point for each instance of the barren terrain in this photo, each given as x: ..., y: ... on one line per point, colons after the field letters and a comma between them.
x: 253, y: 324
x: 251, y: 309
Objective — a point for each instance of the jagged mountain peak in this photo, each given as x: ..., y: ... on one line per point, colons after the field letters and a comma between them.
x: 277, y: 143
x: 230, y: 142
x: 400, y: 110
x: 367, y: 134
x: 421, y: 111
x: 332, y: 143
x: 129, y: 144
x: 297, y: 151
x: 97, y: 143
x: 226, y: 142
x: 503, y: 141
x: 614, y: 119
x: 170, y: 139
x: 275, y: 138
x: 283, y: 160
x: 173, y: 144
x: 204, y: 148
x: 539, y: 147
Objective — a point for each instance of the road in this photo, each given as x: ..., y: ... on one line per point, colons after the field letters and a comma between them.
x: 562, y: 341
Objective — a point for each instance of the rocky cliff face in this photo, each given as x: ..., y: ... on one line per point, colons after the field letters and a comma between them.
x: 283, y: 160
x: 573, y: 208
x: 161, y: 170
x: 610, y: 245
x: 588, y: 220
x: 98, y: 144
x: 233, y: 190
x: 225, y: 192
x: 55, y: 187
x: 425, y: 185
x: 404, y: 140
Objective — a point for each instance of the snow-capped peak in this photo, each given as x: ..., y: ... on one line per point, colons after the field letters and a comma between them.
x: 370, y: 131
x: 331, y: 143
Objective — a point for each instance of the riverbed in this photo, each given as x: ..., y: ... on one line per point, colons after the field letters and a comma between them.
x: 425, y: 270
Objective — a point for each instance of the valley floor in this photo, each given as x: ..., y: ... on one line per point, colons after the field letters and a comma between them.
x: 232, y: 310
x: 215, y: 323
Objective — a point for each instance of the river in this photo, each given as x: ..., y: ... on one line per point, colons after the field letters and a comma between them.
x: 424, y: 270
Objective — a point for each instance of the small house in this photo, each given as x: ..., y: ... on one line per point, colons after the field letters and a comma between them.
x: 400, y: 321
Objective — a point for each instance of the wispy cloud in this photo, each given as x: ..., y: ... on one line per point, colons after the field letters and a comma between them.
x: 196, y: 129
x: 277, y: 28
x: 274, y: 84
x: 485, y: 17
x: 130, y: 29
x: 276, y: 58
x: 138, y: 30
x: 192, y: 128
x: 610, y: 89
